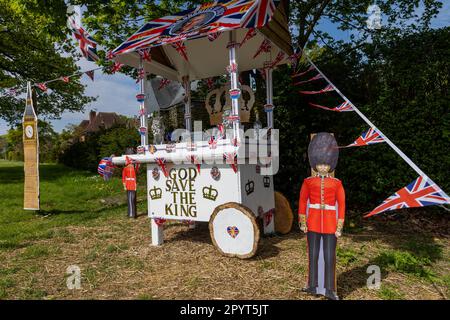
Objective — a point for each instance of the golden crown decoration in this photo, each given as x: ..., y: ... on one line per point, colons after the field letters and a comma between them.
x: 249, y: 187
x: 210, y: 193
x: 215, y: 107
x: 155, y: 193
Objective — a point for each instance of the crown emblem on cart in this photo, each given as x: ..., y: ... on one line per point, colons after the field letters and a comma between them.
x: 215, y: 106
x: 155, y: 193
x: 249, y: 187
x: 210, y: 193
x: 266, y: 181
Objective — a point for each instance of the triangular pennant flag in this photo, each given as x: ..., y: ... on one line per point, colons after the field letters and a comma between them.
x: 293, y: 59
x: 265, y: 46
x: 326, y: 89
x: 278, y: 59
x: 116, y: 67
x: 90, y: 74
x: 311, y: 68
x: 145, y: 54
x: 163, y: 83
x: 250, y: 34
x: 371, y: 136
x: 141, y: 75
x: 181, y: 48
x: 343, y: 107
x: 316, y: 77
x: 419, y: 193
x: 213, y: 36
x: 42, y: 86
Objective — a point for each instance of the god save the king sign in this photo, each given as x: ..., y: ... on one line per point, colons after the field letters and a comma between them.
x: 187, y: 194
x: 180, y: 184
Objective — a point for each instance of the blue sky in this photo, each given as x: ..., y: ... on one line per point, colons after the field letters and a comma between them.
x: 116, y: 93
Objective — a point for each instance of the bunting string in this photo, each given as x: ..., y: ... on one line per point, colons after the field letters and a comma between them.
x: 326, y: 89
x: 421, y: 192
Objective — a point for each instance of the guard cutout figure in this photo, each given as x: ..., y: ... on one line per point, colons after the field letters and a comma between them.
x: 130, y: 184
x: 321, y: 214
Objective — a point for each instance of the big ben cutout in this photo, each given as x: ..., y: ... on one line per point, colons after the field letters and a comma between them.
x: 31, y: 154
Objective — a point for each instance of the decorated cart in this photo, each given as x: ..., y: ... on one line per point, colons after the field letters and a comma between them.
x: 226, y: 178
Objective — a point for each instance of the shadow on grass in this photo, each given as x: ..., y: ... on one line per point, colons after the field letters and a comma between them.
x: 410, y: 253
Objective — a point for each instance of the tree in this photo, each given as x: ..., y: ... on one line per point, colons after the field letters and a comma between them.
x: 34, y: 47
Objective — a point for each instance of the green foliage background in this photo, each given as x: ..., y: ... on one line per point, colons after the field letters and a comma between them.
x: 403, y: 88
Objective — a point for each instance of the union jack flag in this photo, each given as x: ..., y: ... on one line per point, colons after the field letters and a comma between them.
x: 214, y: 36
x: 259, y: 14
x: 42, y: 86
x: 90, y: 74
x: 316, y: 77
x: 264, y: 47
x: 343, y: 107
x: 328, y: 88
x: 116, y: 67
x: 181, y: 48
x: 145, y: 54
x: 263, y: 73
x: 110, y: 55
x: 105, y: 168
x: 278, y: 59
x: 162, y: 164
x: 299, y: 74
x: 88, y: 46
x: 293, y: 59
x: 250, y: 34
x: 371, y: 136
x: 229, y: 14
x: 141, y: 75
x: 419, y: 193
x: 231, y: 159
x: 163, y: 83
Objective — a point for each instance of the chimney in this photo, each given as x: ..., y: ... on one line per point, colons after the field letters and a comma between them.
x: 92, y: 115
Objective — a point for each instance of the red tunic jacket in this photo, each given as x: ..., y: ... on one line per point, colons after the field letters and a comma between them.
x: 129, y: 177
x: 322, y: 194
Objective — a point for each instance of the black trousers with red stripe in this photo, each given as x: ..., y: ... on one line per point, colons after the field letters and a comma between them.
x: 131, y: 200
x: 329, y: 255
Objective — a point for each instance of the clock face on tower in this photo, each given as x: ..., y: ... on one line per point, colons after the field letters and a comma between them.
x: 29, y: 131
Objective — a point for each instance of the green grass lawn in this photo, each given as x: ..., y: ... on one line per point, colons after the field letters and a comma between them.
x: 67, y: 197
x: 83, y: 222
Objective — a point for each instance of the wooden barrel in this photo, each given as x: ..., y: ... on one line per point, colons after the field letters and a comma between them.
x: 284, y: 216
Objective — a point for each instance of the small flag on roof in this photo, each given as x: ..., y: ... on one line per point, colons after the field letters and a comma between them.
x: 264, y: 47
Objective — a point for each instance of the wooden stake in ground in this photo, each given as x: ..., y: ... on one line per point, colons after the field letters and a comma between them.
x: 31, y: 155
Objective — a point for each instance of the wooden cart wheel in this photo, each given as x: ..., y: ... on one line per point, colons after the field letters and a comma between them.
x: 283, y: 214
x: 234, y: 230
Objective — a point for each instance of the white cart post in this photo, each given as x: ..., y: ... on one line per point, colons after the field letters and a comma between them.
x: 235, y: 92
x: 268, y: 107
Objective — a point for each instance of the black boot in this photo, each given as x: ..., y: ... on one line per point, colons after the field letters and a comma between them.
x: 310, y: 290
x: 331, y: 295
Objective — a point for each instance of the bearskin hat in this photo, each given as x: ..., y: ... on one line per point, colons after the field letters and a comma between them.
x: 323, y: 149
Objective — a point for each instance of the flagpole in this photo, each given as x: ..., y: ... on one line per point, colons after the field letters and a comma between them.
x: 388, y: 141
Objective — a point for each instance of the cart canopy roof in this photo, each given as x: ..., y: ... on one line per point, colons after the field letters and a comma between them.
x: 194, y: 42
